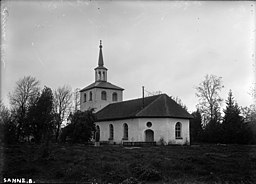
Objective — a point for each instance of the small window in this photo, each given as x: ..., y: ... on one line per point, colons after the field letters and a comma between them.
x: 178, y: 131
x: 84, y: 97
x: 149, y: 124
x: 114, y: 97
x: 90, y: 96
x: 111, y: 132
x: 103, y: 95
x: 125, y: 132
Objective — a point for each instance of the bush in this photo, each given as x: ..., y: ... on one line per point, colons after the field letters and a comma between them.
x: 113, y: 177
x: 162, y: 142
x: 81, y: 128
x: 150, y: 174
x: 130, y: 180
x: 76, y: 173
x: 145, y: 174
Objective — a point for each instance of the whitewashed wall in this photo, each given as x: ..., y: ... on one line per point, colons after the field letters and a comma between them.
x: 96, y: 102
x: 162, y: 127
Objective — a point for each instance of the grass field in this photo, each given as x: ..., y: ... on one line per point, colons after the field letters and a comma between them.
x: 116, y: 164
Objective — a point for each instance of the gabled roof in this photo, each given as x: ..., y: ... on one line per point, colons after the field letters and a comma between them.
x: 101, y: 84
x: 157, y: 106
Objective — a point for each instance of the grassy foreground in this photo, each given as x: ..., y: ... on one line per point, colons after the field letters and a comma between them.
x: 116, y: 164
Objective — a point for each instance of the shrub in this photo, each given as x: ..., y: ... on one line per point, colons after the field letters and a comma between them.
x: 113, y: 177
x: 145, y: 174
x: 75, y: 173
x: 162, y: 142
x: 150, y: 174
x: 130, y: 180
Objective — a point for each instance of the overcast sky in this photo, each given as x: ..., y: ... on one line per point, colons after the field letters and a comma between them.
x: 165, y: 46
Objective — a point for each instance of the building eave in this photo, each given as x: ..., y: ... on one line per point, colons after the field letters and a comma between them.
x: 121, y: 89
x: 138, y: 117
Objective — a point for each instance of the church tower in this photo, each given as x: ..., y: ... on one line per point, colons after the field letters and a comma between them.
x: 100, y: 93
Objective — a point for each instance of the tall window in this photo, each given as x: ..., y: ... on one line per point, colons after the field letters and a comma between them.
x: 84, y: 97
x: 99, y: 75
x: 90, y: 96
x: 103, y: 95
x: 111, y: 132
x: 178, y: 131
x: 103, y: 75
x: 114, y: 97
x: 125, y: 132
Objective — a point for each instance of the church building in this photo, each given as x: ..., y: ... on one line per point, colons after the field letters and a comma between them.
x: 154, y: 119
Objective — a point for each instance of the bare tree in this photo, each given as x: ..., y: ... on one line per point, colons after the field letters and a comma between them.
x: 249, y: 113
x: 25, y: 93
x: 76, y: 99
x: 4, y: 113
x: 62, y: 105
x: 209, y: 99
x: 178, y: 101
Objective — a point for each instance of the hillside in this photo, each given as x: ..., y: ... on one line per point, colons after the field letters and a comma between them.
x: 170, y: 164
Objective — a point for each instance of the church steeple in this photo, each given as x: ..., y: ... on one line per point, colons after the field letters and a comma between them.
x: 100, y: 71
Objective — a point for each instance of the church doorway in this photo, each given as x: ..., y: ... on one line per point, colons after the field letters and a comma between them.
x: 149, y: 135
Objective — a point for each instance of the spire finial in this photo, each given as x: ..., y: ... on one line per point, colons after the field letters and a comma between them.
x: 100, y: 44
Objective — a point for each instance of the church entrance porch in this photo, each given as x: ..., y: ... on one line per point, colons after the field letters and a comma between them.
x: 149, y: 136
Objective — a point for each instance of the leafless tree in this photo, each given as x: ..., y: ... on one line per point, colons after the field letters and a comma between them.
x: 209, y: 99
x: 249, y: 113
x: 62, y: 106
x: 76, y: 99
x: 4, y: 113
x: 178, y: 101
x: 25, y: 93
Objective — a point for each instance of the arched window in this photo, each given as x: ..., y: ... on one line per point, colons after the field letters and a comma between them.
x: 99, y: 75
x: 90, y: 96
x: 84, y: 97
x: 125, y: 132
x: 114, y: 97
x: 178, y: 131
x: 103, y: 95
x: 103, y: 75
x: 111, y: 132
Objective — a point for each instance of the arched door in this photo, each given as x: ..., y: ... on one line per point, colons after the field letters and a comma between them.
x: 149, y: 135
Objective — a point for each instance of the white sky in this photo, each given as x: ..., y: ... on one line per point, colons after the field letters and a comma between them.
x: 166, y: 46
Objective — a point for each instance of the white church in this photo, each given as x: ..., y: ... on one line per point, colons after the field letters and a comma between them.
x: 155, y: 119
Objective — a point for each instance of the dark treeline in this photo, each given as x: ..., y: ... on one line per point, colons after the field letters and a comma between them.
x: 236, y: 126
x: 37, y: 115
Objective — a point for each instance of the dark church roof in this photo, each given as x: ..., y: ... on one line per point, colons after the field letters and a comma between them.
x: 101, y: 84
x: 157, y: 106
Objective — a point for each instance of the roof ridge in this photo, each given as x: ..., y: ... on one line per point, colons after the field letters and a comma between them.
x: 148, y: 106
x: 135, y: 99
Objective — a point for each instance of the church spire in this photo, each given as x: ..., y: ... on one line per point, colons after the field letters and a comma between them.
x: 100, y: 62
x: 100, y: 70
